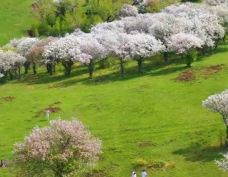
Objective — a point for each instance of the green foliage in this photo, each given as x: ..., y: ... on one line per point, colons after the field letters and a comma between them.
x: 55, y: 18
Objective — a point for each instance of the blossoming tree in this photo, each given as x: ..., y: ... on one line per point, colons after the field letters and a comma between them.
x: 185, y: 44
x: 219, y: 103
x: 10, y: 63
x: 62, y: 149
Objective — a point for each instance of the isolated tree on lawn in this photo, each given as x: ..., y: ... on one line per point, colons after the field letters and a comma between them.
x: 186, y: 45
x: 64, y: 148
x: 219, y: 103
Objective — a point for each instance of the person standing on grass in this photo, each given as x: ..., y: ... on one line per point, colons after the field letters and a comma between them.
x: 133, y: 174
x: 144, y: 173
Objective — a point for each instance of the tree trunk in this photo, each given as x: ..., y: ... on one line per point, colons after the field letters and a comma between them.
x: 140, y: 65
x: 165, y: 55
x: 121, y: 67
x: 10, y: 75
x: 50, y: 68
x: 26, y: 66
x: 19, y: 73
x: 226, y: 139
x: 68, y: 66
x: 91, y: 69
x: 34, y: 68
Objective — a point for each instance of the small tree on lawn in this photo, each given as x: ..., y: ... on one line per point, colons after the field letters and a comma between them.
x: 62, y: 149
x: 219, y: 103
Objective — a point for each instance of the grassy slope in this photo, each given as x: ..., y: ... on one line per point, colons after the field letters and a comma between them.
x: 128, y: 112
x: 15, y: 18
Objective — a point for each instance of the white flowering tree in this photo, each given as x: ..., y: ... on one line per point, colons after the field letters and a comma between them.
x: 219, y: 103
x: 223, y: 163
x: 219, y: 8
x: 62, y: 149
x: 58, y: 51
x: 206, y: 25
x: 184, y: 44
x: 128, y: 10
x: 23, y: 46
x: 10, y: 63
x: 143, y: 45
x: 88, y: 51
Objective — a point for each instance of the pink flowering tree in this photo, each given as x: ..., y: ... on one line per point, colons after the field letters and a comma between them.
x: 219, y: 103
x: 62, y: 149
x: 34, y: 54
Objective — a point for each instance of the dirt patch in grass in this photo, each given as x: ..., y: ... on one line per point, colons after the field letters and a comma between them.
x: 52, y: 108
x: 186, y: 76
x: 208, y: 71
x: 7, y: 98
x: 144, y: 144
x: 97, y: 173
x: 193, y: 74
x: 152, y: 164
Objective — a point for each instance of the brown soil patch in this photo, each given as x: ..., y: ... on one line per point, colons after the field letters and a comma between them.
x: 7, y: 98
x: 96, y: 173
x: 144, y: 144
x: 52, y: 108
x: 208, y: 71
x: 186, y: 76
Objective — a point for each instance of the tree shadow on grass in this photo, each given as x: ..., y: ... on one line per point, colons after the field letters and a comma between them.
x: 45, y: 78
x: 197, y: 152
x: 131, y: 73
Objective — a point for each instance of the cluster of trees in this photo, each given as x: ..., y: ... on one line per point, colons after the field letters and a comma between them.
x: 65, y: 148
x: 183, y: 29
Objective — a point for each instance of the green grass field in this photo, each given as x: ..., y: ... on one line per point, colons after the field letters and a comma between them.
x: 151, y: 117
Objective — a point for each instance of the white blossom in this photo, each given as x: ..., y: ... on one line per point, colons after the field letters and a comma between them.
x: 223, y: 163
x: 183, y: 42
x: 218, y: 103
x: 128, y: 10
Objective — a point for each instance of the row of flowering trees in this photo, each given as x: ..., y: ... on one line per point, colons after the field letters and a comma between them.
x: 183, y: 29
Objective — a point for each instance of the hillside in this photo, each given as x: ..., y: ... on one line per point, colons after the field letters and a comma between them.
x: 16, y: 16
x: 152, y: 117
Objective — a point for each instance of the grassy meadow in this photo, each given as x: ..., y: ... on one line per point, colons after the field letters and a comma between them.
x: 151, y: 120
x: 143, y: 120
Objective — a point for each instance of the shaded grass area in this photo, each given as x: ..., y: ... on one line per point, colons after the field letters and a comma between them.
x: 150, y: 117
